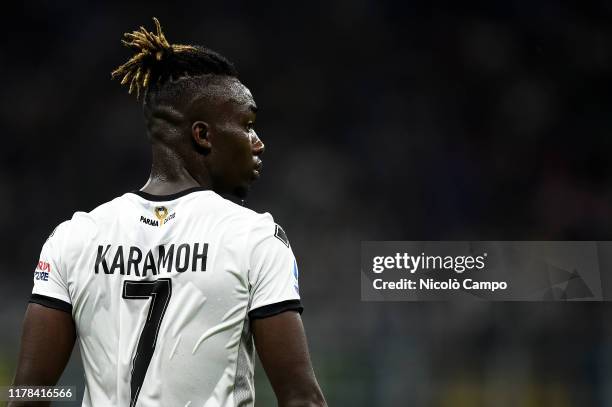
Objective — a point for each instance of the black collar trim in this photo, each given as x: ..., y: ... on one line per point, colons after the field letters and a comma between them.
x: 160, y: 198
x: 171, y: 197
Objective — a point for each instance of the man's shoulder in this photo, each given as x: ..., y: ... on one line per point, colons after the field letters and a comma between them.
x: 83, y: 225
x: 102, y: 212
x: 235, y: 207
x: 257, y: 223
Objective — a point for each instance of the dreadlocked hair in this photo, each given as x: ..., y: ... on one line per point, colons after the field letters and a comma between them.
x: 158, y: 64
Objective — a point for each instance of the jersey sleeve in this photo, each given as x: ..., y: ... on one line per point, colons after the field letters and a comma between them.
x: 273, y: 271
x: 50, y: 287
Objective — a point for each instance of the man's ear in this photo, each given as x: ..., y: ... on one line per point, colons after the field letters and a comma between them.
x: 200, y: 134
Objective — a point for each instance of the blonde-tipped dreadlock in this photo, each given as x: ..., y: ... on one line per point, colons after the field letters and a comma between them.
x: 150, y: 47
x: 157, y: 60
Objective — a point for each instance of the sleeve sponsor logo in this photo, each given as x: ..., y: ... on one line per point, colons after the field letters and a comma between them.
x: 42, y: 271
x: 279, y: 233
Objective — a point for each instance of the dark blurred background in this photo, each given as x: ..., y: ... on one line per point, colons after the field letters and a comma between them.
x: 382, y: 121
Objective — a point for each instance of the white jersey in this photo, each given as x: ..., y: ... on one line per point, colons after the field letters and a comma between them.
x: 162, y: 289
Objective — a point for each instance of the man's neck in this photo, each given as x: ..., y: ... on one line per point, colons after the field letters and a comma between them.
x: 169, y: 174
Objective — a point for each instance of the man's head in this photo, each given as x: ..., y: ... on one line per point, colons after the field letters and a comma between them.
x: 198, y: 114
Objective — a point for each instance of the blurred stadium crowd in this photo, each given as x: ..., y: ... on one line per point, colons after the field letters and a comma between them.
x: 382, y: 121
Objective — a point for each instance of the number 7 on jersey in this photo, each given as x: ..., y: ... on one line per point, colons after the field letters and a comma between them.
x: 159, y: 292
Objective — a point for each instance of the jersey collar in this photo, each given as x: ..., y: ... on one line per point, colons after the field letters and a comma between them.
x: 161, y: 198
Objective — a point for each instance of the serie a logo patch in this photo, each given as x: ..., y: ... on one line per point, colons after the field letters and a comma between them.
x: 296, y: 285
x: 42, y: 271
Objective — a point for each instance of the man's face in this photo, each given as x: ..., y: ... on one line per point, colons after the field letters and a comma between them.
x: 234, y: 161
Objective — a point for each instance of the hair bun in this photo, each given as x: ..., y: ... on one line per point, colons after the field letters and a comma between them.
x: 146, y: 41
x: 156, y: 64
x: 151, y: 49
